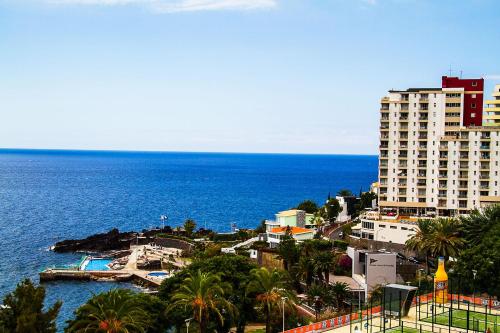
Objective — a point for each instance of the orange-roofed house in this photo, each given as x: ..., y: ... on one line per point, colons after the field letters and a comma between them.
x: 275, y: 235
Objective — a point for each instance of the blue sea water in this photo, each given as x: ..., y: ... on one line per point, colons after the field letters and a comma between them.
x: 48, y: 196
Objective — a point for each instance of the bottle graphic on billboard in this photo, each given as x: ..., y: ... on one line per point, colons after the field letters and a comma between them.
x: 441, y: 283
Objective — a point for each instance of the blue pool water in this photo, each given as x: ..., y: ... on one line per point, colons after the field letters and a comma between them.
x: 157, y: 274
x: 98, y: 265
x: 48, y: 196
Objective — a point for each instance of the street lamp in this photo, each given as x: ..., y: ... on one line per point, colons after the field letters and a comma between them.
x: 283, y: 300
x: 188, y: 321
x: 420, y: 271
x: 474, y: 272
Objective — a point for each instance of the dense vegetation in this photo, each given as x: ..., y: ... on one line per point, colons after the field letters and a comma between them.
x: 474, y: 243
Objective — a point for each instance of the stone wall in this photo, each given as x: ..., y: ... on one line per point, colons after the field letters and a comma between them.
x: 174, y: 243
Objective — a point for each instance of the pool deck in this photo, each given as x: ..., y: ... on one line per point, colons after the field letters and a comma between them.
x: 128, y: 273
x: 110, y: 275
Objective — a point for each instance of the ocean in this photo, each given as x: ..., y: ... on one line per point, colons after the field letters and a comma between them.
x: 49, y: 195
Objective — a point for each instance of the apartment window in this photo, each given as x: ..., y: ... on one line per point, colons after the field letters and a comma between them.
x: 393, y: 227
x: 473, y: 96
x: 473, y: 105
x: 382, y: 225
x: 404, y: 228
x: 473, y: 115
x: 368, y: 225
x: 474, y: 83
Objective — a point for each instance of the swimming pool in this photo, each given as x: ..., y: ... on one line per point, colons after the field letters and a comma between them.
x: 158, y: 274
x: 96, y: 264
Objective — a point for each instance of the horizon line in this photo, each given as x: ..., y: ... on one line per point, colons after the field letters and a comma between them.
x: 2, y: 149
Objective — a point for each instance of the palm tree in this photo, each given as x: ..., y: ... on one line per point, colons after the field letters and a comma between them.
x: 477, y: 224
x: 270, y: 288
x: 421, y: 240
x: 323, y: 262
x: 445, y: 240
x: 116, y: 311
x: 203, y: 293
x: 340, y: 291
x: 306, y: 267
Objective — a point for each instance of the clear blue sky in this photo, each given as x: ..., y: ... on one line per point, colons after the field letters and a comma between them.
x: 299, y: 76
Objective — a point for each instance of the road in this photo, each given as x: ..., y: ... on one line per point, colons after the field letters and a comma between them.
x: 334, y: 232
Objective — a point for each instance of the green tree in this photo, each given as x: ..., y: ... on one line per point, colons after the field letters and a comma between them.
x: 287, y: 249
x: 481, y: 231
x: 203, y: 294
x: 323, y: 263
x: 421, y: 241
x: 344, y: 193
x: 115, y: 311
x: 365, y: 201
x: 261, y: 228
x: 331, y: 210
x: 23, y: 311
x: 478, y: 224
x: 306, y: 267
x: 189, y: 226
x: 308, y: 206
x: 445, y: 239
x: 269, y: 288
x: 340, y: 292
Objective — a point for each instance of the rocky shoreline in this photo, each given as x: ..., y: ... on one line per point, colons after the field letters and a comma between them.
x: 114, y: 240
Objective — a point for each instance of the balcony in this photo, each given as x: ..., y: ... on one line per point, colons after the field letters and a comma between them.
x: 422, y: 174
x: 422, y: 155
x: 464, y: 156
x: 421, y: 182
x: 484, y: 147
x: 485, y: 136
x: 464, y: 146
x: 485, y: 156
x: 484, y: 166
x: 443, y: 175
x: 422, y: 164
x: 384, y: 126
x: 443, y: 155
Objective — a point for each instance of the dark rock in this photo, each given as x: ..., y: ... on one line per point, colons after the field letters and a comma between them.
x: 112, y: 240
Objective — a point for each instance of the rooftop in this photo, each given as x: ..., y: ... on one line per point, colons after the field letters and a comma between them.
x: 294, y: 230
x: 290, y: 212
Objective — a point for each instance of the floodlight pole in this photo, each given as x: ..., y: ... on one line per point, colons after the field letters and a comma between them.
x: 283, y: 300
x: 474, y: 272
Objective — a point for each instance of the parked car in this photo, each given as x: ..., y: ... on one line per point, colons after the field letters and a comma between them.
x: 413, y: 260
x: 400, y: 256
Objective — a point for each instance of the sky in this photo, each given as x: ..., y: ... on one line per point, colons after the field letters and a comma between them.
x: 272, y: 76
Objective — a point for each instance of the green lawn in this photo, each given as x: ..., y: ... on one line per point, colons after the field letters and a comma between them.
x: 459, y: 319
x: 405, y: 330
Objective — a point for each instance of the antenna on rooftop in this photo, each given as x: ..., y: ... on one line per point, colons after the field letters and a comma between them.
x: 461, y: 74
x: 450, y: 70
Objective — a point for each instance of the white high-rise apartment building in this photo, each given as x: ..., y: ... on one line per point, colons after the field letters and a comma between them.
x: 435, y: 157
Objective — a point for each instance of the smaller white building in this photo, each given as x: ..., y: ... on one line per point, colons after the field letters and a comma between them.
x: 393, y: 229
x: 275, y: 235
x: 371, y: 269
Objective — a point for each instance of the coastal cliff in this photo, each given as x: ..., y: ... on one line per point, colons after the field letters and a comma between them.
x: 112, y: 240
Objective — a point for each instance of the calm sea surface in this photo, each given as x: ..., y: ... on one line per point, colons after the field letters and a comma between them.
x: 48, y: 196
